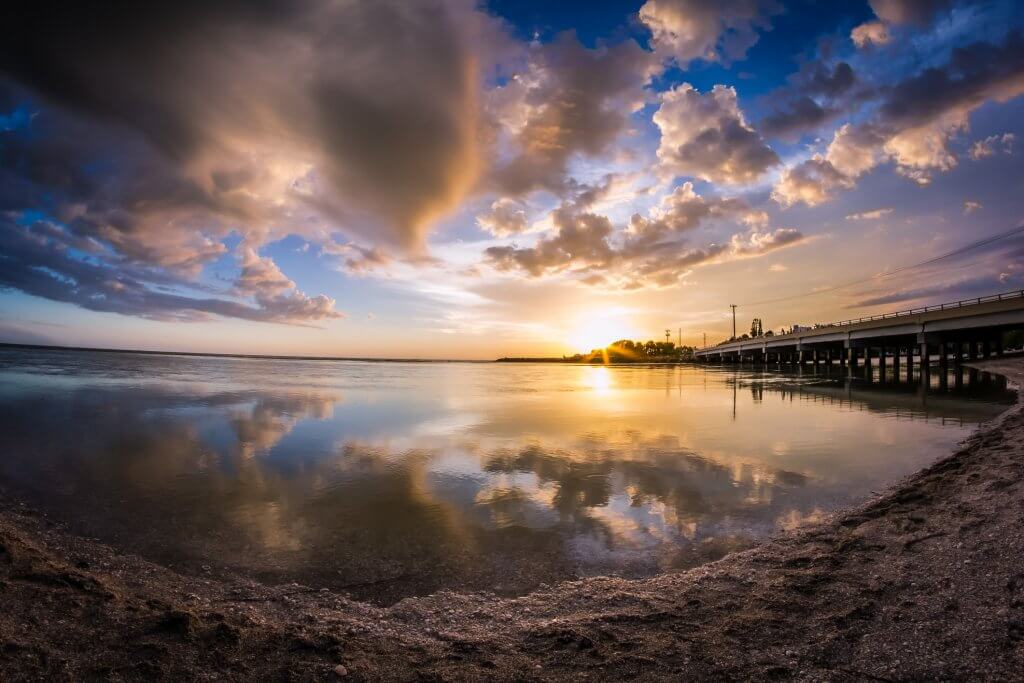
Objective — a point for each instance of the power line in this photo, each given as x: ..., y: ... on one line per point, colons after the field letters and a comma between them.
x: 956, y: 252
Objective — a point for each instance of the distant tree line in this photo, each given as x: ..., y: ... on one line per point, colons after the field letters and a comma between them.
x: 623, y: 351
x: 629, y: 351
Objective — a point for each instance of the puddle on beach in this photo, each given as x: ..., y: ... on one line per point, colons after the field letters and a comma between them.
x: 395, y: 479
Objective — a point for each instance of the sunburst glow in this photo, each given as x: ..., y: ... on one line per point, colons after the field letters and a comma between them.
x: 597, y: 329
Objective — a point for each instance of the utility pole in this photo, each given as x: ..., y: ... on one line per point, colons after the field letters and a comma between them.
x: 668, y: 335
x: 733, y: 307
x: 705, y: 341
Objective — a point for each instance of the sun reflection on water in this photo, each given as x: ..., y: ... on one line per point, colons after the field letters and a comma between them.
x: 599, y: 380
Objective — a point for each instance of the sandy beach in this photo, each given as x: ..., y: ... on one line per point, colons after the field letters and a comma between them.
x: 924, y: 581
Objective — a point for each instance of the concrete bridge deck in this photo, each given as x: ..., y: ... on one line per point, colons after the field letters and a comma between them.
x: 969, y: 328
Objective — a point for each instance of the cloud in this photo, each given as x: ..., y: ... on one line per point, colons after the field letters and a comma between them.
x: 920, y: 12
x: 41, y: 259
x: 917, y: 13
x: 357, y: 259
x: 568, y: 100
x: 652, y: 251
x: 799, y: 114
x: 758, y: 243
x: 684, y: 210
x: 158, y: 132
x: 990, y: 145
x: 914, y: 124
x: 872, y: 215
x: 506, y: 217
x: 706, y: 136
x: 275, y: 293
x: 713, y: 30
x: 971, y: 207
x: 810, y: 182
x: 378, y: 136
x: 816, y: 94
x: 870, y: 33
x: 925, y: 111
x: 853, y: 151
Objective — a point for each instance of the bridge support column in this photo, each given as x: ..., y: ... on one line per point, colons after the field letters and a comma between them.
x: 896, y: 362
x: 972, y: 350
x: 998, y: 344
x: 868, y: 353
x: 985, y: 349
x: 943, y: 355
x: 852, y: 353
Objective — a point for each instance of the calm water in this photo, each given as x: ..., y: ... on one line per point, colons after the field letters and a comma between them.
x: 394, y: 479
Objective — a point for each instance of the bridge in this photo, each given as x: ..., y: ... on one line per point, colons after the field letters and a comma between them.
x: 967, y: 329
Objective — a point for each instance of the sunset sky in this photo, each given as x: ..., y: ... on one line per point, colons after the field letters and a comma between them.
x: 454, y: 179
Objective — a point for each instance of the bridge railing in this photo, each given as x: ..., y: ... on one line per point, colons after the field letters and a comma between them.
x: 1015, y: 294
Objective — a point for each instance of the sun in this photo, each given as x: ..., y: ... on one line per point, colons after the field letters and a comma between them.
x: 597, y: 329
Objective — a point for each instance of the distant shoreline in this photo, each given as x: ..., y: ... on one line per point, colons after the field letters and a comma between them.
x: 362, y: 359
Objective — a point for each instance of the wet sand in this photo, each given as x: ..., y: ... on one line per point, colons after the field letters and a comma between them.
x: 925, y: 581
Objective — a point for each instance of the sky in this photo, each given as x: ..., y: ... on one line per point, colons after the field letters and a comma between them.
x: 458, y: 179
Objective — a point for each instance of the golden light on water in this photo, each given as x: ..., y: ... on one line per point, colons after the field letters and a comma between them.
x: 598, y: 379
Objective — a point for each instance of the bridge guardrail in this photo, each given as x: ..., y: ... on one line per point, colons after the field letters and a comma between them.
x: 1015, y: 294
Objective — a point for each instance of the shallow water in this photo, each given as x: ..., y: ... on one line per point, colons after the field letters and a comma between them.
x: 396, y: 479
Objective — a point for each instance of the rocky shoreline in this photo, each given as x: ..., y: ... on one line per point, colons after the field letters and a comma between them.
x: 924, y: 581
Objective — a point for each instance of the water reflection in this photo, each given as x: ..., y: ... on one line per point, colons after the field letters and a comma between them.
x: 399, y: 479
